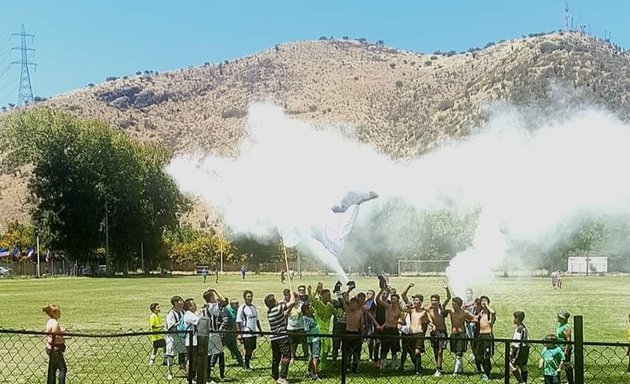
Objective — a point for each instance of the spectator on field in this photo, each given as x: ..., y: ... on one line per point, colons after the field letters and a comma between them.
x: 248, y: 324
x: 229, y: 339
x: 551, y: 362
x: 216, y: 325
x: 191, y: 321
x: 55, y: 345
x: 174, y: 343
x: 156, y: 325
x: 277, y: 313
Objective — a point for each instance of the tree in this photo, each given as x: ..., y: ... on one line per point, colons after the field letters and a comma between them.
x: 82, y: 167
x: 22, y: 235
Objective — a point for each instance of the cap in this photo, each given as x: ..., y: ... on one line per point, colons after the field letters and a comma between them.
x: 564, y: 315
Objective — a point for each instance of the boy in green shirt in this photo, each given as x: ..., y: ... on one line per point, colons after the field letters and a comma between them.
x: 323, y: 310
x: 552, y: 360
x: 311, y: 328
x: 156, y: 325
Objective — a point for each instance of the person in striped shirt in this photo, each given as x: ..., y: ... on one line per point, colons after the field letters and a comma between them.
x: 281, y: 350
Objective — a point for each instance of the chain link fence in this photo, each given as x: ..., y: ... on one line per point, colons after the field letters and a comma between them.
x: 124, y: 358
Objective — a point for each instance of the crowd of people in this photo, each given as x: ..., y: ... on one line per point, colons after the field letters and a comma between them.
x: 395, y: 327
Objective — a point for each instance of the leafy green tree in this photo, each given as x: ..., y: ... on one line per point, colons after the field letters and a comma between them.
x: 84, y: 172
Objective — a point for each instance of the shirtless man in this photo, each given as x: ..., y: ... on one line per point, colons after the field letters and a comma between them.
x: 389, y: 330
x: 485, y: 343
x: 354, y: 326
x: 437, y: 317
x: 459, y: 317
x: 417, y: 321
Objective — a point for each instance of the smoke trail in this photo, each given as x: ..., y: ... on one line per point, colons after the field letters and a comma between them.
x: 521, y: 181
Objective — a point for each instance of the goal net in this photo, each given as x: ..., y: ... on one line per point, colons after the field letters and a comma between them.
x: 421, y: 267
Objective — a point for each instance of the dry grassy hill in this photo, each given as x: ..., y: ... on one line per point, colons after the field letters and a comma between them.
x: 404, y: 103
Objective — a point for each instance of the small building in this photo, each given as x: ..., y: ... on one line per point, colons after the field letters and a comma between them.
x: 595, y: 264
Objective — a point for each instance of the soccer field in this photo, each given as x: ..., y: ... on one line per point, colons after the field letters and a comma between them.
x: 104, y: 305
x: 113, y: 304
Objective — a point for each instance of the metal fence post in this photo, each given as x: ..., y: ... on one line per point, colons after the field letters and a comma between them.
x: 203, y: 328
x: 343, y: 359
x: 578, y: 333
x: 507, y: 362
x: 191, y: 352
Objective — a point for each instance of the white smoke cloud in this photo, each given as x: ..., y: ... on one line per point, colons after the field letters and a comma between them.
x: 526, y: 183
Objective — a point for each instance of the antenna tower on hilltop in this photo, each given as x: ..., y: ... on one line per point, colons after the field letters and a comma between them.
x: 25, y: 92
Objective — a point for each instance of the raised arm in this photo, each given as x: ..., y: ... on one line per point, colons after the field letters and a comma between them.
x: 380, y: 301
x: 405, y: 292
x: 291, y: 303
x: 448, y: 296
x: 218, y: 295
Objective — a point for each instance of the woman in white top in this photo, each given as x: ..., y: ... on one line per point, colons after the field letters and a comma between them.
x: 55, y: 345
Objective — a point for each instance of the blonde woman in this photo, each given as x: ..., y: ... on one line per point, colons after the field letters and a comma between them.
x: 55, y: 345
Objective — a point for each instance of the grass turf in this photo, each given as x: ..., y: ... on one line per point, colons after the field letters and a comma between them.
x: 106, y: 305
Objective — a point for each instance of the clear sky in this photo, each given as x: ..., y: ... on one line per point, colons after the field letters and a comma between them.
x: 79, y: 42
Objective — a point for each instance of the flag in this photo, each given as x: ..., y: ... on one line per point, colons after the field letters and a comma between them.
x: 4, y: 252
x: 16, y: 251
x: 48, y: 255
x: 29, y: 253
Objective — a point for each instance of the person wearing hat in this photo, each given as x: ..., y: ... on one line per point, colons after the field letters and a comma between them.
x: 563, y: 334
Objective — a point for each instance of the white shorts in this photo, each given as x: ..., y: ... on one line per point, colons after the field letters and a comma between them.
x: 174, y: 345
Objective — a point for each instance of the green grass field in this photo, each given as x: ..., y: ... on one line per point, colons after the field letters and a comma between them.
x: 97, y: 305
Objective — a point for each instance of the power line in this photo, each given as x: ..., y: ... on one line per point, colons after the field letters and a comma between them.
x: 25, y: 92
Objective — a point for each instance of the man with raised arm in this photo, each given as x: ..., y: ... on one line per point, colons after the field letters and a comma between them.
x: 417, y: 323
x: 323, y: 309
x: 459, y: 343
x: 485, y: 343
x: 277, y: 315
x: 354, y: 325
x: 393, y: 316
x: 437, y: 324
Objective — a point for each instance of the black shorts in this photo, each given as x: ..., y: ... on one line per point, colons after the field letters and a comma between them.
x: 439, y: 339
x: 522, y: 356
x: 249, y: 343
x: 296, y: 336
x: 485, y: 345
x: 390, y: 342
x: 413, y: 341
x: 282, y: 347
x: 459, y: 344
x: 161, y: 343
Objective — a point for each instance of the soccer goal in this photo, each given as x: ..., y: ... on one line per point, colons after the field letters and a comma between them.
x: 421, y: 267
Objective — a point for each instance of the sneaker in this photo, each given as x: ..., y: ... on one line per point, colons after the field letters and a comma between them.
x: 316, y: 378
x: 282, y: 381
x: 459, y: 366
x: 169, y: 376
x: 437, y: 373
x: 485, y: 378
